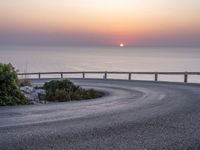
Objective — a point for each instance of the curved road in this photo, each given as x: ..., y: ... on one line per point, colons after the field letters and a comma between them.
x: 133, y: 115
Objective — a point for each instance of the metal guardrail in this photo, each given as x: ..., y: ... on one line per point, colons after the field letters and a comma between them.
x: 105, y: 74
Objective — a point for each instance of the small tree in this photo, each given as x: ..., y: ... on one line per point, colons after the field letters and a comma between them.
x: 10, y: 93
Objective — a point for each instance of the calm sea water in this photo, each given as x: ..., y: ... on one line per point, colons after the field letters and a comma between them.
x: 41, y: 59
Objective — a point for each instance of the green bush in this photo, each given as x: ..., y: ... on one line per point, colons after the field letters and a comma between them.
x: 65, y: 90
x: 10, y: 93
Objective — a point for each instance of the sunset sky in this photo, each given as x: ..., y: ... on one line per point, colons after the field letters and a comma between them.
x: 100, y: 22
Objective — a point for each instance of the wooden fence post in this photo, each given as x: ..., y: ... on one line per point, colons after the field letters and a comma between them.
x: 185, y: 77
x: 129, y: 76
x: 83, y: 75
x: 156, y: 77
x: 105, y: 75
x: 61, y: 74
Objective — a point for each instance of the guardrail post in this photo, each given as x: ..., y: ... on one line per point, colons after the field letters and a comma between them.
x: 83, y: 75
x: 156, y: 77
x: 185, y: 77
x: 39, y: 75
x: 105, y: 75
x: 61, y: 74
x: 129, y: 76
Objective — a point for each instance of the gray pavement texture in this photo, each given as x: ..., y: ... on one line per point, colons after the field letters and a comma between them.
x: 133, y: 115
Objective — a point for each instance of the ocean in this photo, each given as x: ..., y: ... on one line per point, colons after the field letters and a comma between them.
x: 44, y: 59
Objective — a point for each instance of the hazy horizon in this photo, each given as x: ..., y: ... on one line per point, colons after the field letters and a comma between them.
x: 100, y: 23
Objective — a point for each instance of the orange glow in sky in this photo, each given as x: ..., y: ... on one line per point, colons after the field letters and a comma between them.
x: 117, y: 20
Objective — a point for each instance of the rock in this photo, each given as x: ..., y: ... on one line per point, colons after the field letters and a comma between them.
x: 40, y: 91
x: 34, y: 95
x: 27, y: 89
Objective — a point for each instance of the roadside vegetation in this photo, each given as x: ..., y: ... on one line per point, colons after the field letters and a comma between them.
x: 65, y: 90
x: 20, y: 92
x: 10, y: 93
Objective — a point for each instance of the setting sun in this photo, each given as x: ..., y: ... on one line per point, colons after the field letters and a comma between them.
x: 121, y: 45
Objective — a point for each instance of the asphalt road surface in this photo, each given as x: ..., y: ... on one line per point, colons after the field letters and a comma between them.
x: 134, y: 115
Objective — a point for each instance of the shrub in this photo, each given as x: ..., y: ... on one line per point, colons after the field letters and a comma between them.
x: 66, y: 91
x: 10, y: 93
